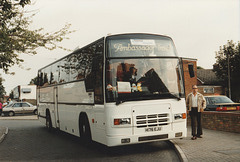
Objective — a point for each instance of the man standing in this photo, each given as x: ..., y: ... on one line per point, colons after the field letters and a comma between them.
x: 196, y: 103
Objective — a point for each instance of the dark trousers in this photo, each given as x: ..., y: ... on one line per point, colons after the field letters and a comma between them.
x: 196, y: 118
x: 0, y: 112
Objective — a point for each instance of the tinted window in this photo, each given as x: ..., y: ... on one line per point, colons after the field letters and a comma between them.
x: 98, y: 91
x: 191, y: 70
x: 40, y: 78
x: 220, y: 99
x: 25, y: 105
x: 55, y: 73
x: 76, y: 66
x: 46, y: 76
x: 143, y: 79
x: 73, y: 59
x: 17, y: 105
x: 86, y: 62
x: 10, y: 105
x: 64, y: 68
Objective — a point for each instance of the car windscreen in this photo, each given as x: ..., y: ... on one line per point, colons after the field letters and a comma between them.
x: 10, y: 105
x: 220, y: 99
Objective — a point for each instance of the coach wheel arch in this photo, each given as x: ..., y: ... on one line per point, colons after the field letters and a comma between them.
x: 84, y: 128
x: 48, y: 120
x: 35, y: 112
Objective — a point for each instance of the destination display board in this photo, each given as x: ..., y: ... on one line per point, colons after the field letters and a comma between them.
x: 141, y: 47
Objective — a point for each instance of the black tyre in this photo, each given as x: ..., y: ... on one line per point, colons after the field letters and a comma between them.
x: 48, y: 122
x: 35, y: 112
x: 11, y: 113
x: 85, y: 132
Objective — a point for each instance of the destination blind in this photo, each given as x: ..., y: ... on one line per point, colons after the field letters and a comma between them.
x: 141, y: 48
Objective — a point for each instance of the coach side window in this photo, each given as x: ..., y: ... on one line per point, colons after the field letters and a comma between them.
x: 87, y: 64
x: 73, y: 67
x: 46, y: 76
x: 98, y: 90
x: 64, y: 71
x: 40, y: 78
x: 55, y: 73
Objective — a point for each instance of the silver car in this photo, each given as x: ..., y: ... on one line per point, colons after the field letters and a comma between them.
x: 19, y: 108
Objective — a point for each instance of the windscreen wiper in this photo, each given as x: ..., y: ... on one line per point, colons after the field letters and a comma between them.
x: 173, y: 95
x: 118, y: 102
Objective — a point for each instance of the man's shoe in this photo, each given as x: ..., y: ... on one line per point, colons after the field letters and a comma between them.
x: 199, y: 136
x: 194, y: 138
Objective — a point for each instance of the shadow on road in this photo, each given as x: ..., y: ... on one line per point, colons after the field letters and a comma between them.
x: 30, y: 140
x: 146, y: 148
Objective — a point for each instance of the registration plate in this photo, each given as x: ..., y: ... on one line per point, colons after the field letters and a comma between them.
x: 153, y: 129
x: 231, y: 108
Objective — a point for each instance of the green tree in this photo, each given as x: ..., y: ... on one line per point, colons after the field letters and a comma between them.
x: 2, y: 89
x: 199, y: 67
x: 11, y: 95
x: 231, y: 50
x: 16, y: 37
x: 34, y: 81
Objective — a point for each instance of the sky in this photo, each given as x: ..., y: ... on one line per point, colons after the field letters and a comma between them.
x: 197, y: 27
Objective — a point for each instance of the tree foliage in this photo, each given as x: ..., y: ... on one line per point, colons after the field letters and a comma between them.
x: 231, y: 50
x: 199, y: 67
x: 2, y: 89
x: 34, y: 81
x: 16, y: 37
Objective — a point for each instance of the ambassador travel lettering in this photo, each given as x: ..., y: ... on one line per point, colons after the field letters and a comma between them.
x: 120, y: 47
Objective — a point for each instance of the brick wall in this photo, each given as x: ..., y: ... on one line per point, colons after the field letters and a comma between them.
x: 217, y: 90
x: 223, y: 121
x: 31, y: 101
x: 189, y: 82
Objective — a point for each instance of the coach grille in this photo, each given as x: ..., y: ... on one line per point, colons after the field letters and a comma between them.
x: 141, y: 117
x: 152, y: 120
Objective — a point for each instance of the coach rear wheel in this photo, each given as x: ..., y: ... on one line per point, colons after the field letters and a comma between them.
x: 35, y: 112
x: 85, y: 132
x: 48, y: 122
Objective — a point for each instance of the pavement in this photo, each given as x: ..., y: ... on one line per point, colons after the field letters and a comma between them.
x: 19, y: 117
x: 215, y: 146
x: 3, y: 133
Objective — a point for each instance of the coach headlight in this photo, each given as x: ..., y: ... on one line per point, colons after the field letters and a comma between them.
x: 122, y: 121
x: 180, y: 116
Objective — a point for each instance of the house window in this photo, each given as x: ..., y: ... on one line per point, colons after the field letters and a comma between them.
x: 191, y: 70
x: 26, y: 90
x: 208, y: 90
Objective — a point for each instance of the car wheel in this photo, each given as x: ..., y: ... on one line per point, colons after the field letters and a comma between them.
x: 85, y: 132
x: 35, y: 112
x: 11, y: 113
x: 48, y: 122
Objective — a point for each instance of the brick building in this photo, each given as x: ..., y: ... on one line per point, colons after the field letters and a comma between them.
x: 205, y: 79
x: 189, y: 79
x: 208, y: 83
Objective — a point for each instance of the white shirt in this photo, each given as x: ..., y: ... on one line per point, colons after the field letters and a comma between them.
x: 194, y: 100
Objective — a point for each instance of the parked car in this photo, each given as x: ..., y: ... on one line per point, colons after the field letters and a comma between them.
x: 19, y: 108
x: 220, y: 103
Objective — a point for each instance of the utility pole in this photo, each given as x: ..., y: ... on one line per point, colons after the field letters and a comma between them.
x: 229, y: 75
x: 229, y: 81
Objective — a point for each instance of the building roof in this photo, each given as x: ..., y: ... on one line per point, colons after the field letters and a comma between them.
x: 207, y: 77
